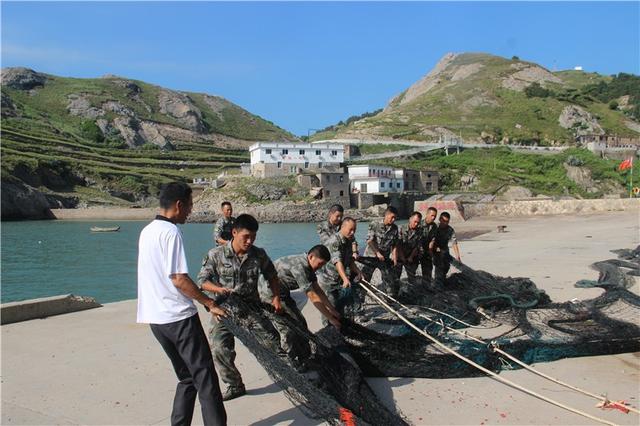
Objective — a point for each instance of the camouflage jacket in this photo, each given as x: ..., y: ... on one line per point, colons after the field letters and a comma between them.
x: 412, y: 239
x: 428, y: 233
x: 444, y: 236
x: 341, y: 251
x: 222, y: 229
x: 294, y: 272
x: 387, y: 237
x: 223, y: 267
x: 326, y: 230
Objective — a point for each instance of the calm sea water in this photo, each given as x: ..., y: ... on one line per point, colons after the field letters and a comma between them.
x: 49, y: 258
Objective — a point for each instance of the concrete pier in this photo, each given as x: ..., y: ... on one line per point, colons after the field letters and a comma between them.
x: 99, y: 367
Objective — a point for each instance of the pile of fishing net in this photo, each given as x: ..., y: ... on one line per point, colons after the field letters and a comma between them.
x: 511, y: 313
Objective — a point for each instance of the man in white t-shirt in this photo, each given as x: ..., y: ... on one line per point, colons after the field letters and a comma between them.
x: 165, y: 302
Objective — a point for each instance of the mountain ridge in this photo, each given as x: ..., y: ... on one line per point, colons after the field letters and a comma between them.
x: 484, y: 97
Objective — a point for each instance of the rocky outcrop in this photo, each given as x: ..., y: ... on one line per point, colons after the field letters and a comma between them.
x: 80, y: 106
x: 180, y: 107
x: 580, y: 121
x: 425, y: 84
x: 129, y: 130
x: 21, y: 201
x: 8, y: 108
x: 515, y: 193
x: 22, y: 78
x: 526, y: 75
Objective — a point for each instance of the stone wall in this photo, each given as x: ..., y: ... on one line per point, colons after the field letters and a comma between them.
x: 549, y: 207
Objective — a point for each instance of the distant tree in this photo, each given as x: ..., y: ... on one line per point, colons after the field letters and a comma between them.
x: 91, y: 131
x: 515, y: 58
x: 534, y: 90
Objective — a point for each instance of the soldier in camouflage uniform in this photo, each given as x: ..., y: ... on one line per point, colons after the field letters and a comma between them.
x: 299, y: 271
x: 428, y: 229
x: 224, y: 225
x: 382, y: 243
x: 331, y: 226
x: 235, y: 267
x: 412, y: 245
x: 334, y: 278
x: 439, y: 247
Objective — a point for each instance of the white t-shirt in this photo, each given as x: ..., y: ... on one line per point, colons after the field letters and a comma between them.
x: 161, y: 254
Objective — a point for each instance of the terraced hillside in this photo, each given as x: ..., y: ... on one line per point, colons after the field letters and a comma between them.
x: 483, y: 97
x: 68, y: 142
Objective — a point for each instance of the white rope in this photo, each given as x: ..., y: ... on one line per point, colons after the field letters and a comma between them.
x: 478, y: 366
x: 511, y: 357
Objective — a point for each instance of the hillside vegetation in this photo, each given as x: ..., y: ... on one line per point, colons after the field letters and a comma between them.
x: 113, y: 140
x: 492, y: 170
x: 481, y: 97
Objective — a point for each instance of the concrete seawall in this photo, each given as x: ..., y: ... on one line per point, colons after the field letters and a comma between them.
x: 45, y: 307
x: 549, y: 207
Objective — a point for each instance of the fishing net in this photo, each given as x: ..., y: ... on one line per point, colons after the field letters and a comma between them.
x: 511, y: 313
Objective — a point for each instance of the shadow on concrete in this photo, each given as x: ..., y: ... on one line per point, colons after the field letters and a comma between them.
x: 383, y: 387
x: 292, y: 416
x: 272, y: 388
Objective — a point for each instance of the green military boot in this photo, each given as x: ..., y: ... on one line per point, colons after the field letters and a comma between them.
x: 233, y: 392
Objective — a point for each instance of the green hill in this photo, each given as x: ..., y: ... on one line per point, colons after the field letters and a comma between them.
x: 113, y: 140
x: 482, y: 97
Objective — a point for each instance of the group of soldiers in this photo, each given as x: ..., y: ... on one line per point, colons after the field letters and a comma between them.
x: 326, y: 274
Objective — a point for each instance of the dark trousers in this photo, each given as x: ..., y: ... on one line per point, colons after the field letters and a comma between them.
x: 187, y: 347
x: 427, y: 268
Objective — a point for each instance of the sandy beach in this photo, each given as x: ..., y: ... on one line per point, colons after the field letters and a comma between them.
x: 100, y: 367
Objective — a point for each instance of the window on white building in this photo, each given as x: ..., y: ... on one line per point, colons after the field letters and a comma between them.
x: 301, y: 152
x: 398, y: 185
x: 268, y: 151
x: 341, y: 193
x: 279, y: 164
x: 318, y: 152
x: 285, y: 151
x: 306, y: 164
x: 320, y: 165
x: 334, y: 153
x: 381, y: 184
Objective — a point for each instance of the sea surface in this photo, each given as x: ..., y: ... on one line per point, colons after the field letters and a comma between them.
x: 50, y: 258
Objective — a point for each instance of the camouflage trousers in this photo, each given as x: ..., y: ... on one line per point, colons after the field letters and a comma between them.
x: 441, y: 263
x: 426, y: 263
x: 292, y: 343
x: 390, y: 276
x: 222, y: 344
x: 411, y: 269
x: 347, y: 301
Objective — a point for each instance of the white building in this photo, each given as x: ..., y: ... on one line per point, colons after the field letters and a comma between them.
x: 278, y: 159
x: 372, y: 179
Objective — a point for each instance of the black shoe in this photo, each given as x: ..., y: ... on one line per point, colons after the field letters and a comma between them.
x: 233, y: 392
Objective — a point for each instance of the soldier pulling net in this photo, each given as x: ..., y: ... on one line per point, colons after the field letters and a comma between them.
x: 510, y: 313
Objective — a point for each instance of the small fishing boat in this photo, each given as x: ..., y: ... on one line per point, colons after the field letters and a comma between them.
x: 105, y: 229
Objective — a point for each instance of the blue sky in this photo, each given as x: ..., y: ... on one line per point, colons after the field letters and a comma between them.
x: 307, y: 65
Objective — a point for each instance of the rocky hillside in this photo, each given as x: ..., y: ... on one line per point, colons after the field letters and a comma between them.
x: 112, y: 140
x: 487, y: 98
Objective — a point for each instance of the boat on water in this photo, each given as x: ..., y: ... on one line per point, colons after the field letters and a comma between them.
x: 105, y: 229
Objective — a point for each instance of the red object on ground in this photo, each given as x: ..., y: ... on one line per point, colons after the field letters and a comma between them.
x: 614, y: 405
x: 626, y: 164
x: 347, y: 417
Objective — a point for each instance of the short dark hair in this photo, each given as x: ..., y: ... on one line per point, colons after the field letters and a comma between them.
x: 336, y: 208
x: 321, y: 252
x: 225, y: 203
x: 416, y: 214
x: 433, y: 209
x: 246, y: 221
x: 445, y: 214
x: 172, y: 192
x: 391, y: 209
x: 348, y: 219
